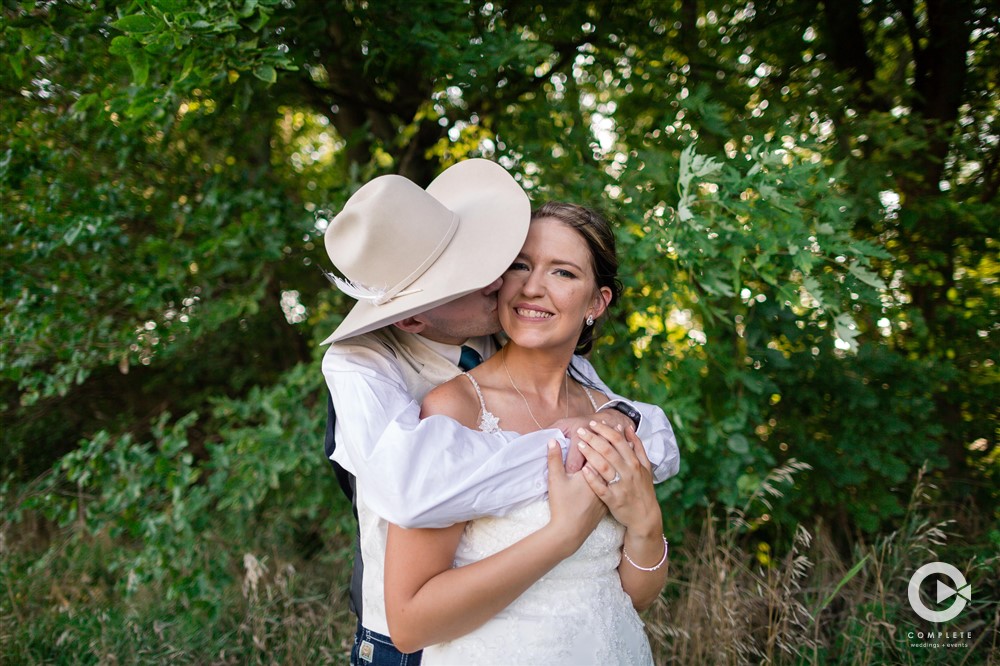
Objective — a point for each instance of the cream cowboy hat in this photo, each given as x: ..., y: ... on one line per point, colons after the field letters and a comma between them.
x: 404, y: 250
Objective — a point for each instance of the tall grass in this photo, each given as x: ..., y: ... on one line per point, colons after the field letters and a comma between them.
x: 273, y: 611
x: 727, y: 603
x: 729, y: 600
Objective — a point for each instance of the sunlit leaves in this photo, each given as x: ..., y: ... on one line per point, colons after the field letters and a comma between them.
x: 846, y: 330
x: 692, y: 166
x: 136, y: 23
x: 775, y: 218
x: 118, y: 213
x: 865, y: 275
x: 771, y: 222
x: 212, y: 37
x: 265, y: 73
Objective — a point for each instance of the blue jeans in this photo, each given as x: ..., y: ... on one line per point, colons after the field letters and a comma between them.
x: 373, y: 649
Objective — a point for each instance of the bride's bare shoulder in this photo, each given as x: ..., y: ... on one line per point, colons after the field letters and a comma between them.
x: 455, y: 398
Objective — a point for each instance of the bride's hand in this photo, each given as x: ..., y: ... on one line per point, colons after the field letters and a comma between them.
x: 574, y: 507
x: 620, y: 474
x: 570, y: 427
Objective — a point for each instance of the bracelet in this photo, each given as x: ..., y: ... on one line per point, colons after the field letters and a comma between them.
x: 666, y: 547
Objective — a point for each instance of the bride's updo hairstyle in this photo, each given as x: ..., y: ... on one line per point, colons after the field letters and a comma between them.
x: 600, y: 239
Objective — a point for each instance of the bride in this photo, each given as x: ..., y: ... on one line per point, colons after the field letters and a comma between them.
x: 558, y: 580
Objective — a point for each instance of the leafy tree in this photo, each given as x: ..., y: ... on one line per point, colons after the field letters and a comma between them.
x: 805, y: 194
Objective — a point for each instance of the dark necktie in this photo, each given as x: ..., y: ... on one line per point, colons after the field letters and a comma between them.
x: 470, y: 358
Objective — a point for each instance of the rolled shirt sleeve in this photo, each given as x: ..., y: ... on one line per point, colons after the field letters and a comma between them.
x: 423, y: 473
x: 436, y: 472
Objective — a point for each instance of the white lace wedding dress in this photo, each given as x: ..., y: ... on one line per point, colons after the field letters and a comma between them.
x: 577, y: 614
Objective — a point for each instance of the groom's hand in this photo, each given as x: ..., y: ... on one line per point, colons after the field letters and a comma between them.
x: 570, y: 427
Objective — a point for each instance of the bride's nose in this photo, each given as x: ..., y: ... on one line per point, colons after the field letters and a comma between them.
x: 533, y: 284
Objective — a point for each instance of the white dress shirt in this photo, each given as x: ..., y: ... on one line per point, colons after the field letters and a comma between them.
x: 436, y: 472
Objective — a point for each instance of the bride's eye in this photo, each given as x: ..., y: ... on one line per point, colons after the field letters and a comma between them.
x: 518, y: 266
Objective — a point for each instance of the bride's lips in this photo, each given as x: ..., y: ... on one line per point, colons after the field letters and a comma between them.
x: 531, y: 312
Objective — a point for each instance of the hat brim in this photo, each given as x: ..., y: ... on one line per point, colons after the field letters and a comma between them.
x: 494, y: 214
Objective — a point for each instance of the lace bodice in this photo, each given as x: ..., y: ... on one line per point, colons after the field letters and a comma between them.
x: 576, y: 614
x: 598, y: 556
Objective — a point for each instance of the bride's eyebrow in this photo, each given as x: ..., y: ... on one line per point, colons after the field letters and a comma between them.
x: 555, y: 262
x: 566, y: 262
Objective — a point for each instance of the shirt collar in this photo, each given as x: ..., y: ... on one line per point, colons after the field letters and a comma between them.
x: 454, y: 352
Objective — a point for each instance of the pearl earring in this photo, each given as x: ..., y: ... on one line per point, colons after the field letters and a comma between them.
x: 590, y: 320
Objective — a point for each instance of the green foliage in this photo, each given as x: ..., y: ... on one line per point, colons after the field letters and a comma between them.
x: 144, y: 495
x: 212, y: 40
x: 68, y: 613
x: 158, y: 544
x: 158, y: 502
x: 132, y: 235
x: 764, y: 280
x: 805, y: 196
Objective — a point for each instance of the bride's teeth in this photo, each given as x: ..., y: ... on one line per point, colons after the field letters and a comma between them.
x: 533, y: 314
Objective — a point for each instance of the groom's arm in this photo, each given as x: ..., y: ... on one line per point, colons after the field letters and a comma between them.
x: 423, y: 473
x: 436, y: 472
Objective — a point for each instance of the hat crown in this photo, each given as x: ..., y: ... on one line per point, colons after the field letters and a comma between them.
x: 405, y: 250
x: 388, y: 233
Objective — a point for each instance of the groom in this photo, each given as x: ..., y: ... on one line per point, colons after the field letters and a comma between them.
x: 425, y: 266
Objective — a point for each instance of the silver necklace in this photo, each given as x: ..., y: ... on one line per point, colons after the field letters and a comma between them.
x: 503, y: 359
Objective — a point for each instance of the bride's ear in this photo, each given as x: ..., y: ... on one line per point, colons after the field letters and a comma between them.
x: 601, y: 300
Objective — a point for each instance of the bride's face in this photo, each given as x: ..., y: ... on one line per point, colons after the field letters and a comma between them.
x: 550, y: 289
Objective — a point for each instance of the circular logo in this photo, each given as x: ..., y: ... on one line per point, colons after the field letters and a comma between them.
x: 962, y: 592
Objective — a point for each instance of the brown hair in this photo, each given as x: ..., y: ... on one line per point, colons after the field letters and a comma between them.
x: 600, y: 238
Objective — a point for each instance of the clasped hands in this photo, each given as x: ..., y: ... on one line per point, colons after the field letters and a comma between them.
x: 613, y: 461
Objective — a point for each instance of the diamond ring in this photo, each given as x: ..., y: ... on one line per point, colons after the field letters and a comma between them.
x: 618, y: 477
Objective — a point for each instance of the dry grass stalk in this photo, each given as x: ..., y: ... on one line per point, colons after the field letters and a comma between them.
x: 814, y: 605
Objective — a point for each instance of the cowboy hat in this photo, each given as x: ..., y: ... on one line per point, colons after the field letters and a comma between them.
x: 404, y: 250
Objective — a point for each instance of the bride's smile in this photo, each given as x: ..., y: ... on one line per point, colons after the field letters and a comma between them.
x: 549, y: 290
